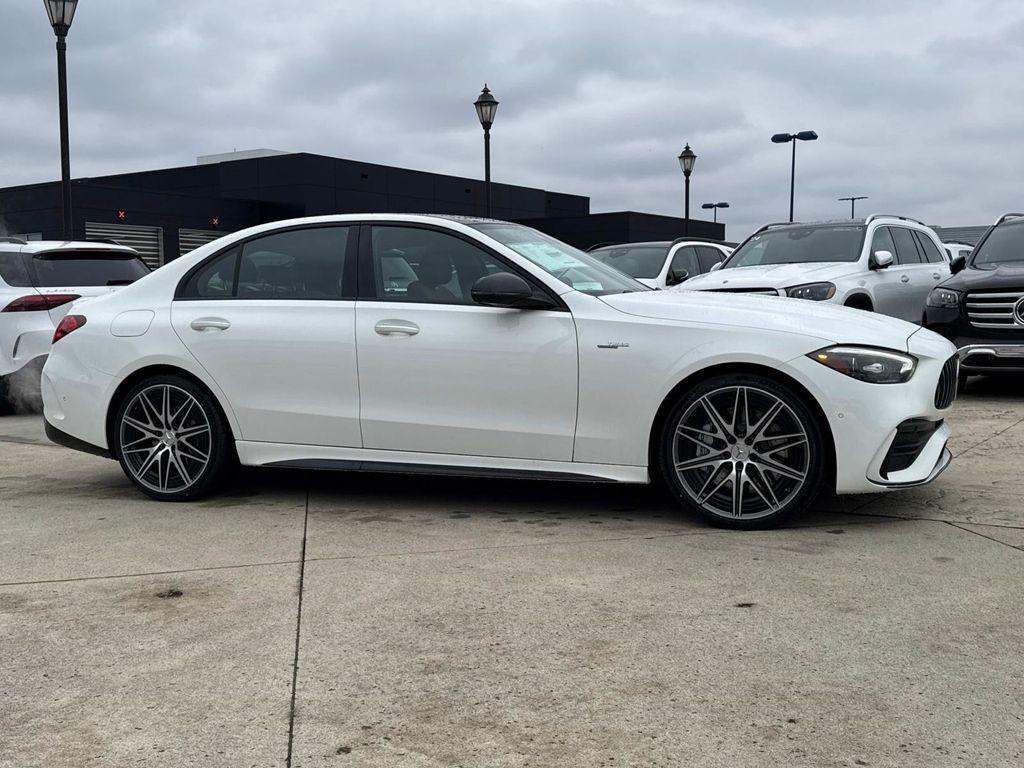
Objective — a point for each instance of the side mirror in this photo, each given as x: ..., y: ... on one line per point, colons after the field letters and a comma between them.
x: 676, y: 276
x: 880, y: 260
x: 504, y: 289
x: 718, y: 265
x: 957, y: 264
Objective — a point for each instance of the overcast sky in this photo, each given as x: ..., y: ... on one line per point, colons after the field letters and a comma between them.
x: 918, y: 104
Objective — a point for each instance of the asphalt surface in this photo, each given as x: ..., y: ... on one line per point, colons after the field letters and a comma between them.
x: 368, y: 620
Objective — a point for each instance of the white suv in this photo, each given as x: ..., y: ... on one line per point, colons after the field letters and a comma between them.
x: 38, y: 282
x: 663, y: 264
x: 886, y: 264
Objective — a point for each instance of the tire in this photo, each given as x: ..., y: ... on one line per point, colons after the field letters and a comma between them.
x: 860, y: 303
x: 961, y: 381
x: 171, y: 439
x: 703, y: 444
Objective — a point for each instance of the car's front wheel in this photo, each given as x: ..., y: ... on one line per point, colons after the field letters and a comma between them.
x: 171, y: 439
x: 742, y: 451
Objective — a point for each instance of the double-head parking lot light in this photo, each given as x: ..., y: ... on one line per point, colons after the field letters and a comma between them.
x: 783, y: 138
x: 714, y: 207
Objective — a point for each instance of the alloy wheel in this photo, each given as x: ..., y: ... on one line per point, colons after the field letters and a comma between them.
x: 741, y: 452
x: 165, y: 438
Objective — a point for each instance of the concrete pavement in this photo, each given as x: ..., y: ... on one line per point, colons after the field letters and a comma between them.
x: 442, y: 622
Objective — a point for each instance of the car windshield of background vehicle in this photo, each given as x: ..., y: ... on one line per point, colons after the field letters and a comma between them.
x: 645, y: 261
x: 1004, y: 245
x: 799, y: 245
x: 86, y: 268
x: 573, y: 267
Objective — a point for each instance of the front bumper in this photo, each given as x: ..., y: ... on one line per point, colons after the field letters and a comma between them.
x: 991, y: 358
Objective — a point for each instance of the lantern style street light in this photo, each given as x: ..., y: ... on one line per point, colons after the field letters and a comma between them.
x: 486, y: 107
x: 715, y: 207
x: 783, y: 138
x: 61, y: 13
x: 853, y: 203
x: 686, y: 160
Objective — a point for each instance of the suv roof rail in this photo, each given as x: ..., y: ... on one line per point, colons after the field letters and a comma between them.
x: 776, y: 224
x: 15, y: 240
x: 1006, y: 216
x: 874, y: 216
x: 689, y: 239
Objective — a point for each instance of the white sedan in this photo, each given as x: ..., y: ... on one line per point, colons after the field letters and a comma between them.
x: 509, y: 354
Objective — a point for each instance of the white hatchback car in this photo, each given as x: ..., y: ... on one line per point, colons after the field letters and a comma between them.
x: 510, y: 354
x: 663, y: 264
x: 885, y: 264
x: 38, y: 282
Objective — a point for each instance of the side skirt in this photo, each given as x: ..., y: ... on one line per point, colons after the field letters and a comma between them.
x: 371, y: 460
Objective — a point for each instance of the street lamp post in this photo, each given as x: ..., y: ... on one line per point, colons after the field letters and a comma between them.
x: 714, y: 207
x: 486, y: 107
x: 686, y: 160
x: 783, y: 138
x: 853, y: 204
x: 61, y: 13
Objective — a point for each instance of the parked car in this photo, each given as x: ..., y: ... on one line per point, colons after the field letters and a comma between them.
x: 38, y: 281
x: 663, y: 263
x: 981, y: 308
x: 885, y: 264
x: 511, y: 354
x: 957, y: 249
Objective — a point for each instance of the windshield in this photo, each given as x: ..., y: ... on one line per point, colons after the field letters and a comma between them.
x: 799, y: 245
x: 86, y: 268
x: 1004, y: 245
x: 573, y: 267
x: 636, y: 261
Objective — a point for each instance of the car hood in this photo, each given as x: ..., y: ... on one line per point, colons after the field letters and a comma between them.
x: 771, y: 275
x: 1003, y: 276
x: 819, y: 320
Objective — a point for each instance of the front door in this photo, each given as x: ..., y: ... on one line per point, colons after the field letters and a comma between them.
x: 889, y: 286
x: 273, y: 322
x: 441, y: 374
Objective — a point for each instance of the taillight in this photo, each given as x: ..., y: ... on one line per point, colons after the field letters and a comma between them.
x: 39, y: 302
x: 67, y: 325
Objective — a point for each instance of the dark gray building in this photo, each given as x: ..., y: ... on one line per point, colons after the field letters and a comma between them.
x: 167, y: 212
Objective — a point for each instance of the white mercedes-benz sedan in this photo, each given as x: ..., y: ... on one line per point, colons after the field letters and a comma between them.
x: 433, y: 344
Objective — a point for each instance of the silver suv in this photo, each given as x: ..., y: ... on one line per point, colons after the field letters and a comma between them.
x: 887, y: 264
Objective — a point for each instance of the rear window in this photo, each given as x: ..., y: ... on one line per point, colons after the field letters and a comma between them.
x: 61, y: 269
x: 12, y: 270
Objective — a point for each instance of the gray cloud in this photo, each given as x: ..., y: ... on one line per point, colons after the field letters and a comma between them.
x: 917, y: 103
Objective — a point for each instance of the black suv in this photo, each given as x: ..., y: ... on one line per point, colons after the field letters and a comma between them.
x: 981, y: 307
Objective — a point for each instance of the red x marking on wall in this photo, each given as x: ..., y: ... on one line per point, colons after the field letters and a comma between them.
x: 122, y: 215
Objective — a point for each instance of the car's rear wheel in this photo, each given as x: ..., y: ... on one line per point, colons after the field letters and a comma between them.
x: 171, y: 439
x: 743, y: 451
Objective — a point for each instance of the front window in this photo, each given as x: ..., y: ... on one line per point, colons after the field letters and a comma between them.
x: 577, y: 269
x: 67, y: 269
x: 643, y: 261
x: 1004, y: 245
x: 799, y: 245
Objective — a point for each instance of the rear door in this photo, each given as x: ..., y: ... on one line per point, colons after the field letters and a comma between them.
x: 937, y: 264
x: 916, y: 278
x: 708, y: 256
x: 272, y: 319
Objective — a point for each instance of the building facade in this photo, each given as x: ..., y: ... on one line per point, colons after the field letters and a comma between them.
x: 167, y: 212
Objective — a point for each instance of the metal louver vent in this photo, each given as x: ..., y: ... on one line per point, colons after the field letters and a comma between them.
x: 148, y: 241
x: 190, y: 239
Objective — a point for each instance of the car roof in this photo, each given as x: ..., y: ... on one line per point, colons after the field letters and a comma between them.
x: 48, y: 246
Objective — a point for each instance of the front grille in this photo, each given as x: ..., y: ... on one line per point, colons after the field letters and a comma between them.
x: 911, y: 437
x: 765, y: 291
x: 945, y: 390
x: 993, y: 310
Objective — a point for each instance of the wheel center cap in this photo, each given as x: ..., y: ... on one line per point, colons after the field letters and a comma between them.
x: 739, y: 453
x: 168, y: 439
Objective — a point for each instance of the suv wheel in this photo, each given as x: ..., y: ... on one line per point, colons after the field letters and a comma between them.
x: 742, y: 451
x: 171, y: 439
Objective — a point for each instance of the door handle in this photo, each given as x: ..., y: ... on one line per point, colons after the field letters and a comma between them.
x: 209, y: 324
x: 904, y: 278
x: 396, y: 327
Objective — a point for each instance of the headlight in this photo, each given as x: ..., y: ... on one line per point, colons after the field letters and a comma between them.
x: 812, y: 291
x: 875, y: 366
x: 944, y: 298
